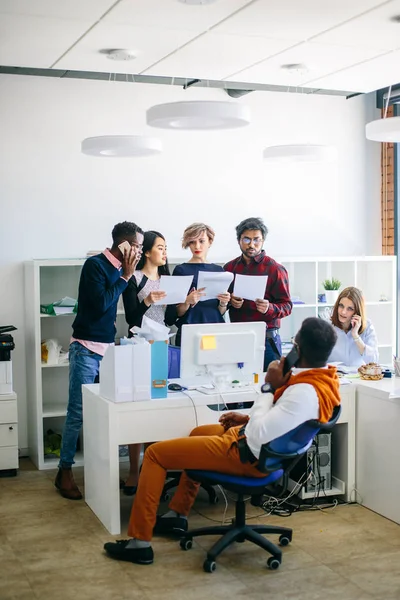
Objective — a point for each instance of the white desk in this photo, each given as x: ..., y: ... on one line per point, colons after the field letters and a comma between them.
x: 108, y: 424
x: 377, y: 446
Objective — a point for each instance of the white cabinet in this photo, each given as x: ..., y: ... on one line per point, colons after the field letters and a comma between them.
x: 50, y: 280
x: 8, y: 433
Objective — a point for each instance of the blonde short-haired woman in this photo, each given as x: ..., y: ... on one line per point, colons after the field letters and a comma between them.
x: 198, y: 237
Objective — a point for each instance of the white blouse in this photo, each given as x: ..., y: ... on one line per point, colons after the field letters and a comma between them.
x: 347, y: 352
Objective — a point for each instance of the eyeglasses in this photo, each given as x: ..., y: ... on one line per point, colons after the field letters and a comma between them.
x: 256, y: 241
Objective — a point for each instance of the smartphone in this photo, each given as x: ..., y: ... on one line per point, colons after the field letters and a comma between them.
x: 290, y: 360
x: 124, y: 246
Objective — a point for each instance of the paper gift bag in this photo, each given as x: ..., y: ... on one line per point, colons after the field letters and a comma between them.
x: 125, y: 373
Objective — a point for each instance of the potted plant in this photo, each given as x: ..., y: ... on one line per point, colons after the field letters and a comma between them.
x: 331, y: 287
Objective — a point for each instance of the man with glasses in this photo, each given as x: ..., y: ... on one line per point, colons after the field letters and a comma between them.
x: 276, y: 304
x: 103, y: 279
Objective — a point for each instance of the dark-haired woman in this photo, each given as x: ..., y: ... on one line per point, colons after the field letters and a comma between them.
x: 144, y: 287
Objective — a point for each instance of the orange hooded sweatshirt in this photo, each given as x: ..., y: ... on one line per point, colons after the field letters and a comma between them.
x: 326, y: 384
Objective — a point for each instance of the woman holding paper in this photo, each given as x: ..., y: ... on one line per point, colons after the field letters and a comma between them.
x: 139, y: 299
x: 356, y: 343
x: 143, y: 290
x: 198, y: 308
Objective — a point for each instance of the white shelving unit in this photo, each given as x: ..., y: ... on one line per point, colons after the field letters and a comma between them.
x: 374, y: 275
x: 50, y: 280
x: 45, y: 282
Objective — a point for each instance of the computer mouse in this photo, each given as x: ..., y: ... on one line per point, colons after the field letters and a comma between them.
x: 174, y: 387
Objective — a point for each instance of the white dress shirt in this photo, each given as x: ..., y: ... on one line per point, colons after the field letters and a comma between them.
x: 298, y: 404
x: 347, y: 352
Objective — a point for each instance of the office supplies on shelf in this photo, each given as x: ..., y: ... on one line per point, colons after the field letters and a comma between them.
x: 64, y: 306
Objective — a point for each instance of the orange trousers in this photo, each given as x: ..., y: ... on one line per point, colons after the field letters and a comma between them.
x: 208, y: 448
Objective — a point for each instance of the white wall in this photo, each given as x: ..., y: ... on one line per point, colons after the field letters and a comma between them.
x: 57, y: 202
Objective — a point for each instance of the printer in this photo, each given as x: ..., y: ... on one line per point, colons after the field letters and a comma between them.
x: 6, y: 346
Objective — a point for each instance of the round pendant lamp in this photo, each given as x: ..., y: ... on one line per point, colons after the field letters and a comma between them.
x: 121, y: 146
x: 205, y: 114
x: 299, y: 153
x: 384, y: 130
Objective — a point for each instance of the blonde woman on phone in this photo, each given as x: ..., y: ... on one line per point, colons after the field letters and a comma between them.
x: 357, y: 343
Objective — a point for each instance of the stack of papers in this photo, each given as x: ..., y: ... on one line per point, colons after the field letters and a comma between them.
x: 65, y: 306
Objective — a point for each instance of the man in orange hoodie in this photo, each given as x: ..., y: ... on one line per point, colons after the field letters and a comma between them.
x: 310, y: 391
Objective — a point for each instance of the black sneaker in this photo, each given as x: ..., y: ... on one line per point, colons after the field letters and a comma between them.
x: 140, y: 556
x: 171, y: 525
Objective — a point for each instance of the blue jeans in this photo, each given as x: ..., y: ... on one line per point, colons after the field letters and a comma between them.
x: 83, y: 368
x: 270, y: 351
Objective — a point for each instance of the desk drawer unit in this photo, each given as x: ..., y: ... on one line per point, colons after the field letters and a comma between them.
x: 8, y: 432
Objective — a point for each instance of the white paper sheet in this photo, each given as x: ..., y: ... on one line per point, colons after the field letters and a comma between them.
x: 250, y: 287
x: 215, y: 282
x: 176, y: 288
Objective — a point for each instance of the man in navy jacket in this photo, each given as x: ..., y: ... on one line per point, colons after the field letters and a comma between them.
x: 103, y: 278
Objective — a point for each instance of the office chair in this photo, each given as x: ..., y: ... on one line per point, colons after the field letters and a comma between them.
x: 173, y: 477
x: 277, y: 458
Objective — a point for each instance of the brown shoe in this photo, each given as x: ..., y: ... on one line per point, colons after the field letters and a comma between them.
x: 65, y: 483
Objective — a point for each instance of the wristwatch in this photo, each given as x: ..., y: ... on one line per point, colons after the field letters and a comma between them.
x: 267, y: 388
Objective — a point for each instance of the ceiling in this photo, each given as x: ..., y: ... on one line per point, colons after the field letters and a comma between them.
x: 342, y: 45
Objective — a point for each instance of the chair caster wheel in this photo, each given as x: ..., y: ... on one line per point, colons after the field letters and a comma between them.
x: 209, y: 566
x: 186, y: 544
x: 273, y: 563
x: 284, y: 540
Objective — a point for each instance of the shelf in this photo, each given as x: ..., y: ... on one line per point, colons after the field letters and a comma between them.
x: 304, y: 305
x: 54, y: 410
x: 63, y: 364
x: 324, y: 304
x: 379, y: 303
x: 338, y: 489
x: 43, y: 316
x: 52, y: 463
x: 385, y: 345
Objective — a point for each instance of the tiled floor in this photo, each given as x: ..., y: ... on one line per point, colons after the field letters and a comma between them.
x: 51, y: 549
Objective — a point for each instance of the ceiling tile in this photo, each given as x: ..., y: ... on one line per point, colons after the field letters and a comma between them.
x: 172, y: 14
x: 72, y: 9
x: 150, y: 45
x: 198, y: 59
x: 293, y: 19
x: 372, y: 30
x: 36, y: 41
x: 372, y: 75
x: 319, y: 60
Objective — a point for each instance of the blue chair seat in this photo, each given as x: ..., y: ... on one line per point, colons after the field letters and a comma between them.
x: 234, y: 483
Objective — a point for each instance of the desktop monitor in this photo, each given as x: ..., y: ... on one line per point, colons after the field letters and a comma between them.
x: 222, y: 353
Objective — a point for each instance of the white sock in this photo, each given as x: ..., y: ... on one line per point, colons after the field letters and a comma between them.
x: 134, y: 543
x: 173, y: 514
